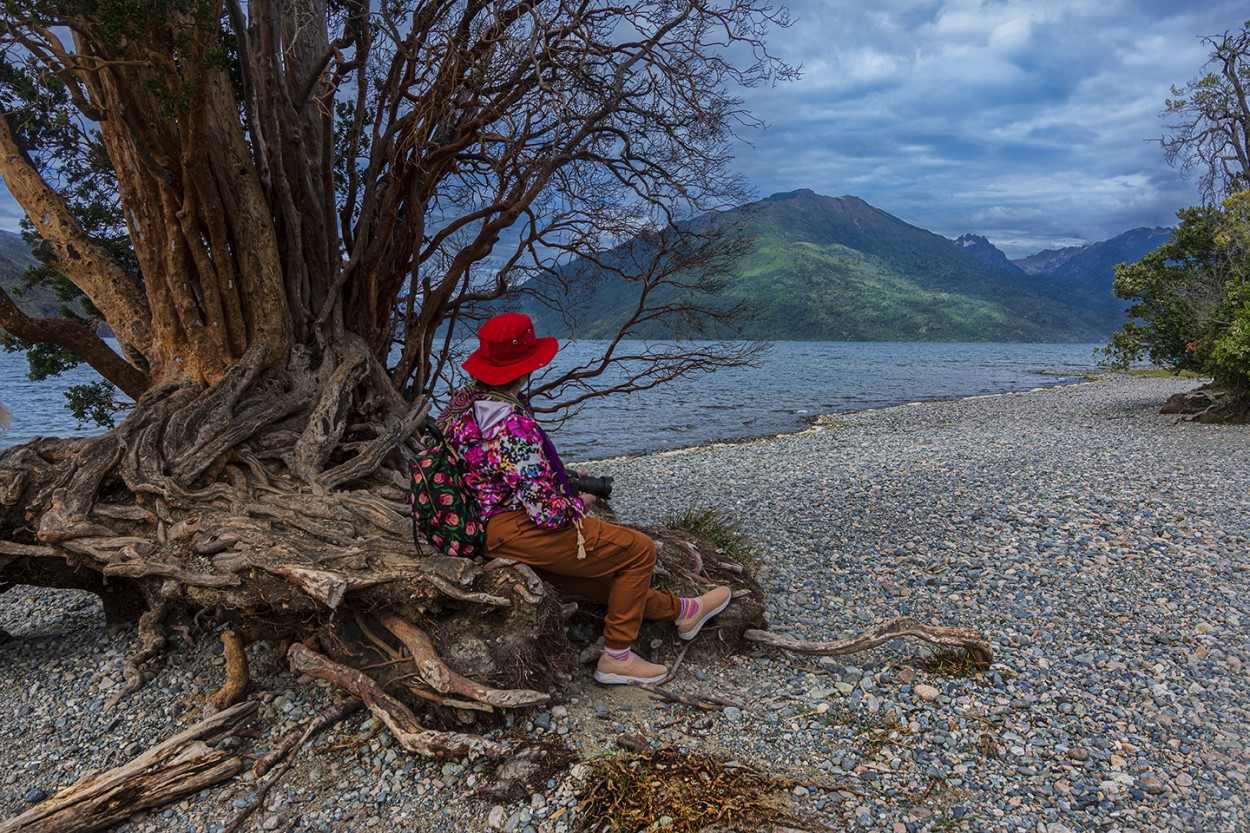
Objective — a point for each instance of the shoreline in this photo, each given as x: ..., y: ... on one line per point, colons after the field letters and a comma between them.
x: 811, y: 421
x: 1104, y: 551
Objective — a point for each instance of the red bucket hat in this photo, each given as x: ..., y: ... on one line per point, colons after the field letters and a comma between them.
x: 508, y: 349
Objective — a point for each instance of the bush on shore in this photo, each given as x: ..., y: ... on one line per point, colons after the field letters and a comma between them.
x: 1192, y: 301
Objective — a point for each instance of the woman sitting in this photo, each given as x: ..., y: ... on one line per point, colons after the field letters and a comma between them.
x: 532, y: 514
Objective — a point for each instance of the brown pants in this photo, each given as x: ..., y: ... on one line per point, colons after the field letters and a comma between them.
x: 616, y: 571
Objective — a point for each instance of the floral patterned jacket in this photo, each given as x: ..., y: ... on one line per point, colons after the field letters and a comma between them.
x: 506, y: 468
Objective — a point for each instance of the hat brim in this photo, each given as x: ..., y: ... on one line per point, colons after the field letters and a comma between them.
x: 544, y: 351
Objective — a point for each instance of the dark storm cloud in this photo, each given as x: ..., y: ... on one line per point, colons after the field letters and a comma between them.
x: 1029, y: 123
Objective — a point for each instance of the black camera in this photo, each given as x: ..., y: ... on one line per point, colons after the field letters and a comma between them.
x: 600, y: 487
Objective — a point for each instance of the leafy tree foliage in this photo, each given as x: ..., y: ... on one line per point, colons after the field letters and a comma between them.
x: 1192, y: 309
x: 1179, y: 288
x: 1190, y: 293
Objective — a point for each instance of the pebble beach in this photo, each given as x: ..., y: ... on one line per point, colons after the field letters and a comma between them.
x: 1102, y: 548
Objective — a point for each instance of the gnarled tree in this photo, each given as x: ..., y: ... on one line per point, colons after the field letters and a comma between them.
x: 1208, y: 122
x: 284, y: 210
x: 1191, y: 298
x: 315, y: 196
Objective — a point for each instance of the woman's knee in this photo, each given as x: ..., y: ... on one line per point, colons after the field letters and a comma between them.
x: 643, y: 549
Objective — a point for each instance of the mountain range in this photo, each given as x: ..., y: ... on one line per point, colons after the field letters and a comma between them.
x: 836, y: 268
x: 15, y: 257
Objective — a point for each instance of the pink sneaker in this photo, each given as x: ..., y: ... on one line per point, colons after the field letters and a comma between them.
x: 633, y: 669
x: 710, y: 604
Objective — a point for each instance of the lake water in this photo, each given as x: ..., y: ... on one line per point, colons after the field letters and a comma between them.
x: 794, y: 382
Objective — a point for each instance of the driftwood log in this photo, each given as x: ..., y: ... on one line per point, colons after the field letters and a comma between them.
x: 966, y: 639
x: 182, y: 765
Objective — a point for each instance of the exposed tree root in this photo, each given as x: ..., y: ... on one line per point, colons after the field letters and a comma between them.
x: 401, y: 722
x: 435, y: 673
x: 966, y: 638
x: 182, y: 765
x: 1208, y: 404
x: 238, y: 675
x: 289, y: 743
x: 151, y: 646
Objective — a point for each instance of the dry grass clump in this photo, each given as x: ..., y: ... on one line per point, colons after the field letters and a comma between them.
x: 665, y: 789
x: 951, y: 662
x: 875, y: 730
x: 721, y: 530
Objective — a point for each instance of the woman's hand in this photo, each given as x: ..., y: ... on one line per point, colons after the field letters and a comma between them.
x: 587, y: 499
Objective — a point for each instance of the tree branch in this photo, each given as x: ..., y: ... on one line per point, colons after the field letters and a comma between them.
x: 83, y: 342
x: 75, y: 255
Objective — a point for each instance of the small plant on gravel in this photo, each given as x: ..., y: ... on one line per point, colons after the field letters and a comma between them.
x: 680, y: 792
x: 875, y: 729
x: 721, y: 530
x: 830, y: 422
x: 943, y: 799
x: 987, y: 746
x: 951, y: 662
x: 1161, y: 373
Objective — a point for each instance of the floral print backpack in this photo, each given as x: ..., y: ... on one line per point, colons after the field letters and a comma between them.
x: 443, y: 508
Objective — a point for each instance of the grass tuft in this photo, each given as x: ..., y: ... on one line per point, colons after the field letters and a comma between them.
x: 951, y: 662
x: 875, y: 730
x: 718, y: 528
x: 1160, y: 373
x: 689, y: 791
x: 986, y: 745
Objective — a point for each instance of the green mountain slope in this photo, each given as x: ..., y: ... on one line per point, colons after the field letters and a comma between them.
x: 836, y: 268
x: 802, y: 291
x: 14, y: 258
x: 1087, y: 273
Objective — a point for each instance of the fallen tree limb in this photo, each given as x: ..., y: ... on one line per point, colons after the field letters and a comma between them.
x: 285, y: 751
x: 699, y: 701
x: 182, y: 765
x: 968, y: 639
x: 676, y: 664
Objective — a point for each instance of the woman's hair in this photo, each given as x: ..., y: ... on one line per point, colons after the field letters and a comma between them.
x: 506, y: 386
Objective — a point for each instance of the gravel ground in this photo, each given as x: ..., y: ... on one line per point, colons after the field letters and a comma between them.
x: 1104, y: 551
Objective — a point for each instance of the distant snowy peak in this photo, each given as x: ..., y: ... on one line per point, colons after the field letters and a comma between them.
x: 979, y: 247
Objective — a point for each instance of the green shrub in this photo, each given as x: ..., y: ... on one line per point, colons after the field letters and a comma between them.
x: 1192, y: 303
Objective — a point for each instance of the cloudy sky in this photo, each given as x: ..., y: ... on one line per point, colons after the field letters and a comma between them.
x: 1027, y: 121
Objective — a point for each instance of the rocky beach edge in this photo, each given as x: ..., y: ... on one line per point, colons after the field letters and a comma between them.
x: 1102, y: 548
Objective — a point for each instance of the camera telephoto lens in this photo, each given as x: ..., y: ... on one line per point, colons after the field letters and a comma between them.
x: 600, y: 487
